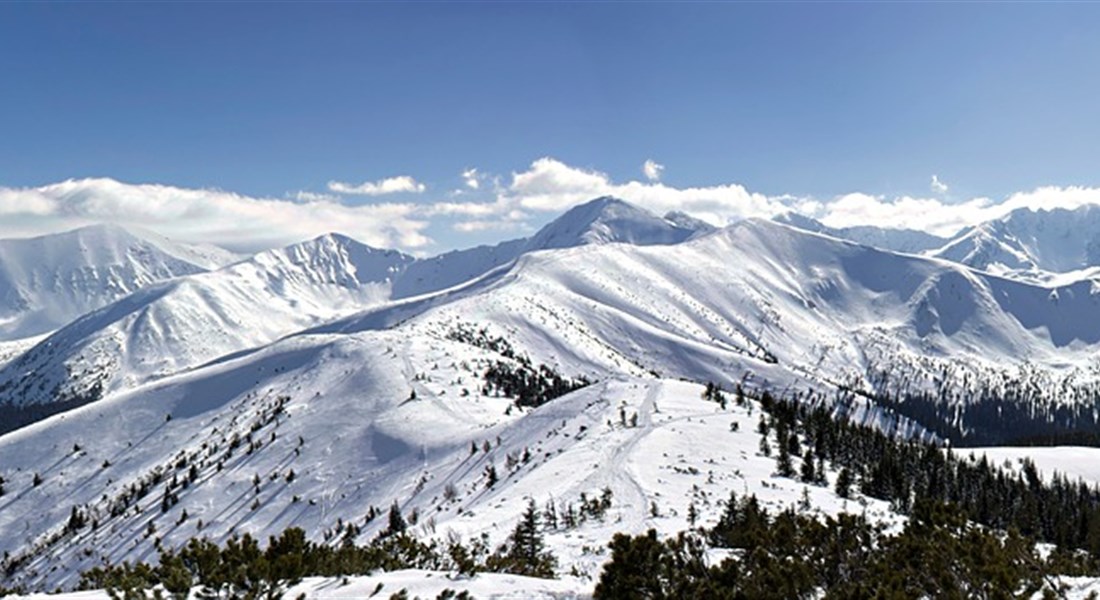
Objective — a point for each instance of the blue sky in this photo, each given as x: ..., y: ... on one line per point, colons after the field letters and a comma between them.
x: 808, y: 100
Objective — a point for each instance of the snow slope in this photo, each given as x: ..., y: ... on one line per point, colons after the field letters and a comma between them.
x: 765, y: 300
x: 757, y: 299
x: 185, y: 322
x: 1028, y: 243
x: 1073, y: 462
x: 338, y: 412
x: 48, y: 281
x: 190, y: 321
x: 601, y: 221
x: 910, y: 241
x: 203, y: 380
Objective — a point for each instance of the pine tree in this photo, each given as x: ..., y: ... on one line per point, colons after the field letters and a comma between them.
x: 525, y: 553
x: 76, y: 520
x: 765, y: 448
x: 396, y: 523
x: 844, y: 483
x: 809, y: 473
x: 783, y: 465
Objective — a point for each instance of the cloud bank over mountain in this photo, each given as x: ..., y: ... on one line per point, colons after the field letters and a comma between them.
x: 425, y: 216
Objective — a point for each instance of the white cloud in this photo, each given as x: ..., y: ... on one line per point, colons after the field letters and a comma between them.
x: 471, y: 178
x: 927, y: 214
x: 305, y: 196
x: 237, y: 222
x: 938, y: 186
x: 652, y: 170
x: 391, y: 185
x: 549, y: 185
x: 942, y: 218
x: 518, y: 202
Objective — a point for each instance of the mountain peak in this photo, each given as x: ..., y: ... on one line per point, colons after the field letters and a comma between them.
x: 1030, y: 241
x: 608, y: 220
x: 336, y: 258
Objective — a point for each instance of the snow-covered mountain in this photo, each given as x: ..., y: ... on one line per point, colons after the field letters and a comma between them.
x: 601, y: 221
x: 187, y: 322
x: 757, y: 297
x: 910, y: 241
x: 309, y: 384
x: 184, y: 322
x: 1030, y: 242
x: 46, y: 282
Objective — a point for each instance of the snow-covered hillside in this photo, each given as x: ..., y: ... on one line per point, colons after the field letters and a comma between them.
x: 48, y: 281
x: 1029, y: 243
x: 766, y: 299
x: 757, y: 299
x: 600, y: 221
x: 185, y: 322
x: 315, y: 385
x: 315, y: 430
x: 910, y: 241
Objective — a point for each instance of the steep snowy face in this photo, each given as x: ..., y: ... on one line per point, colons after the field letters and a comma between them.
x: 899, y: 240
x: 188, y: 321
x: 334, y: 259
x: 48, y: 281
x: 1029, y: 242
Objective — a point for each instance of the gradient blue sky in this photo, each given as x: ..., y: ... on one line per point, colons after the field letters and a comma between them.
x: 805, y: 99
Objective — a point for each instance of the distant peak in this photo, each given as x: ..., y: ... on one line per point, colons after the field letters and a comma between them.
x: 801, y: 221
x: 606, y: 220
x: 339, y: 242
x: 334, y: 237
x: 607, y: 201
x: 609, y: 205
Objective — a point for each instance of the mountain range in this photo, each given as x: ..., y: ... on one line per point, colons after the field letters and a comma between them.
x: 307, y: 384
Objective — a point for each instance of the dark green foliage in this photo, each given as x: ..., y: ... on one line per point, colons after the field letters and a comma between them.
x: 899, y: 471
x: 241, y: 569
x: 530, y: 386
x: 713, y: 393
x: 525, y: 552
x: 1009, y: 410
x: 644, y: 567
x: 77, y: 520
x: 396, y: 523
x: 844, y: 483
x: 516, y: 378
x: 939, y: 555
